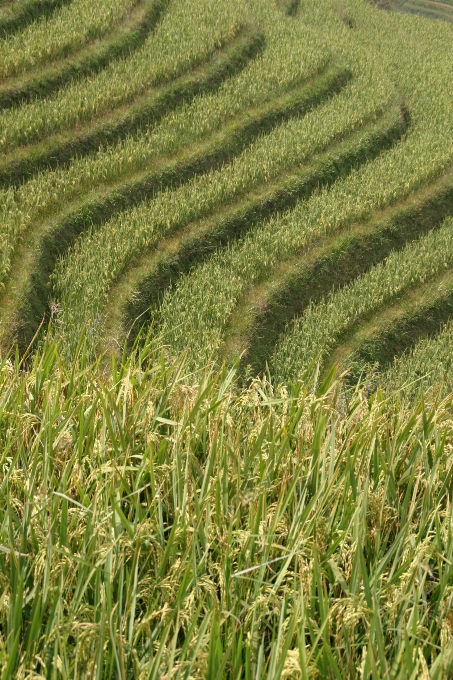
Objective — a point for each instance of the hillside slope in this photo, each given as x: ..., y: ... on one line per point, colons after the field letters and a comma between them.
x: 201, y: 183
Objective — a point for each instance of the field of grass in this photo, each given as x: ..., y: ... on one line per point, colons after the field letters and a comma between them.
x: 441, y: 10
x: 226, y: 308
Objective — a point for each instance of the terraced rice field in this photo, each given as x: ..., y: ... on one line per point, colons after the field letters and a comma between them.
x: 221, y: 207
x: 222, y: 178
x: 432, y: 9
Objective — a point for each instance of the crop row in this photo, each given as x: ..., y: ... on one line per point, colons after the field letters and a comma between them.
x: 52, y: 214
x: 188, y: 33
x: 144, y: 112
x: 152, y: 277
x: 213, y: 153
x: 59, y: 224
x: 262, y: 316
x: 396, y: 329
x: 282, y: 65
x: 281, y: 151
x: 18, y: 14
x: 196, y: 314
x: 43, y: 80
x: 427, y: 368
x: 204, y: 301
x: 92, y: 187
x: 431, y: 10
x: 67, y: 29
x: 315, y: 333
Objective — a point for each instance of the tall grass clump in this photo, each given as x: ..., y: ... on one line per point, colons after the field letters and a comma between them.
x: 151, y: 527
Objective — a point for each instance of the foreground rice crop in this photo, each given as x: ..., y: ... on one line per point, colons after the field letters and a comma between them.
x: 149, y: 527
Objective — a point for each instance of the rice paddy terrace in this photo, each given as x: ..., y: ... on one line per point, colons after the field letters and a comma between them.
x: 270, y: 180
x: 204, y: 208
x: 433, y: 9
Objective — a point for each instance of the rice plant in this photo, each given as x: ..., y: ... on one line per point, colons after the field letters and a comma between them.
x: 172, y: 49
x: 67, y: 29
x: 149, y: 527
x: 431, y: 9
x: 143, y: 227
x: 196, y: 313
x: 279, y: 68
x: 315, y: 333
x: 160, y: 515
x: 259, y: 320
x: 15, y: 15
x: 87, y: 59
x: 424, y: 370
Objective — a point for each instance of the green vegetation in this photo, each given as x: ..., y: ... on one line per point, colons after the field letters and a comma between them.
x: 262, y: 317
x: 127, y: 36
x: 226, y: 329
x: 151, y: 528
x: 171, y: 50
x: 432, y: 9
x: 289, y: 145
x: 67, y: 29
x: 196, y: 313
x: 373, y: 345
x: 146, y: 110
x: 317, y: 330
x: 429, y: 363
x: 169, y: 172
x: 17, y: 14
